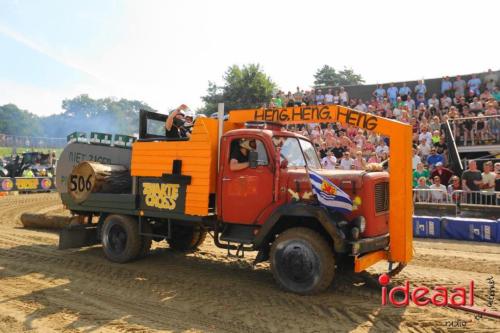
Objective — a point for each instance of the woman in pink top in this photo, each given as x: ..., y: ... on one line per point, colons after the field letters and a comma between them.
x: 373, y: 158
x: 330, y: 136
x: 316, y: 135
x: 360, y: 139
x: 351, y: 131
x: 359, y: 161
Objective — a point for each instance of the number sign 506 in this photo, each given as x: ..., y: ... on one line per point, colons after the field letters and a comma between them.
x: 80, y: 184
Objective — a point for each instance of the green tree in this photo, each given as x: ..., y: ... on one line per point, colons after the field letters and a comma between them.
x: 245, y: 87
x: 328, y: 77
x: 15, y: 121
x: 83, y: 113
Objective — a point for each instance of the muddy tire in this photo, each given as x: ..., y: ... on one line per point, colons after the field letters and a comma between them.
x: 121, y: 241
x: 186, y: 238
x: 302, y: 262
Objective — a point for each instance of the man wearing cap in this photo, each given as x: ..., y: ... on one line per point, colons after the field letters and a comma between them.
x: 239, y: 154
x: 443, y: 173
x: 434, y: 158
x: 174, y: 126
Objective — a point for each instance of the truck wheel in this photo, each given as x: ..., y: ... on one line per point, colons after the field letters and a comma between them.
x: 146, y: 240
x: 302, y: 262
x: 121, y: 241
x: 186, y: 239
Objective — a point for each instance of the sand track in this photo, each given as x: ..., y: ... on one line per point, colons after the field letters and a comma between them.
x: 43, y: 289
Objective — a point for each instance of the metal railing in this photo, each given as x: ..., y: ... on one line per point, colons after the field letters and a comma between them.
x: 457, y: 197
x: 23, y: 142
x: 476, y: 130
x: 431, y: 196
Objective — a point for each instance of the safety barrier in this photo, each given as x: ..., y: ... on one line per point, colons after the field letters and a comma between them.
x: 22, y: 184
x: 431, y: 196
x: 486, y: 198
x: 427, y: 226
x: 471, y: 229
x: 458, y: 198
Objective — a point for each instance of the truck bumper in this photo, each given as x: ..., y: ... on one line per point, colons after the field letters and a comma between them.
x: 369, y: 244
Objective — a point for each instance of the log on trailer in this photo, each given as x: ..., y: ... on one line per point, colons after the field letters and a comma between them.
x: 30, y: 220
x: 92, y: 177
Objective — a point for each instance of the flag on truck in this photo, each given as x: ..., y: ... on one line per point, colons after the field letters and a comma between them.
x: 329, y: 195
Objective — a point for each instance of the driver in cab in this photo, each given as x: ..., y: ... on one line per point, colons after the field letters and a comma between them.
x: 240, y: 154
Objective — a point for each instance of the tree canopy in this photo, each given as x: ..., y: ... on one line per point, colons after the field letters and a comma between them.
x: 327, y: 76
x: 15, y: 121
x: 82, y: 113
x: 245, y: 87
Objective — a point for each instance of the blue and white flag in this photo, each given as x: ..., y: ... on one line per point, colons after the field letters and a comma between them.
x: 329, y: 195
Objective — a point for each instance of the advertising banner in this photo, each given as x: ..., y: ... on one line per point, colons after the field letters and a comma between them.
x: 27, y: 184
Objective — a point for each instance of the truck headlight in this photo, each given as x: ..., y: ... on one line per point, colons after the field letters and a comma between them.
x: 360, y: 222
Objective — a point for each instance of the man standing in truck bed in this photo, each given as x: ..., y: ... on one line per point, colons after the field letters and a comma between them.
x: 174, y: 126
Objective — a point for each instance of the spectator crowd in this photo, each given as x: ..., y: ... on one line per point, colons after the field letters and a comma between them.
x: 472, y: 107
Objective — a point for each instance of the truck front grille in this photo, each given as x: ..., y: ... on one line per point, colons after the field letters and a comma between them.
x: 381, y: 197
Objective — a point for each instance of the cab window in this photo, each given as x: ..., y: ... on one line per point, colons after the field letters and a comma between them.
x: 310, y: 154
x: 254, y: 144
x: 290, y: 150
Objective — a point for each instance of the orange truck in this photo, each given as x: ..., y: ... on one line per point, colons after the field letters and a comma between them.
x: 183, y: 189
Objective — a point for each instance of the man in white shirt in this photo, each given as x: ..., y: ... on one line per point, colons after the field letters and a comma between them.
x: 445, y: 102
x: 344, y: 97
x: 433, y: 101
x: 424, y: 148
x: 329, y: 97
x: 382, y: 148
x: 459, y: 86
x: 415, y: 159
x: 488, y: 184
x: 410, y: 104
x: 438, y: 192
x: 425, y: 134
x: 361, y: 106
x: 329, y: 161
x: 346, y: 162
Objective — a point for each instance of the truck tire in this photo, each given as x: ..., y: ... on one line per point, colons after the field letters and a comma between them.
x: 186, y: 238
x: 302, y: 262
x: 146, y: 240
x: 121, y: 241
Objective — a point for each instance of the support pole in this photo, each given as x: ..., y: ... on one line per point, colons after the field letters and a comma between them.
x: 220, y: 118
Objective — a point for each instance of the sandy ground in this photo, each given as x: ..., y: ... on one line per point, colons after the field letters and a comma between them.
x: 43, y: 289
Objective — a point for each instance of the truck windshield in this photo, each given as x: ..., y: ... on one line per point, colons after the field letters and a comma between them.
x: 297, y: 154
x: 310, y: 154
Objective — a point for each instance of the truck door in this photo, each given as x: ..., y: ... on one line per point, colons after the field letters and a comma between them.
x: 247, y: 192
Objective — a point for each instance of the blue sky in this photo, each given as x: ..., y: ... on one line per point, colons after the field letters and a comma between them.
x: 165, y: 52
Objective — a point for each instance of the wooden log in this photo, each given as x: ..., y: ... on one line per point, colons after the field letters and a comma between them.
x: 44, y: 221
x: 92, y: 177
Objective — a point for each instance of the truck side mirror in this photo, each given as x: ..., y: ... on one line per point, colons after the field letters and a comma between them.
x: 253, y: 159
